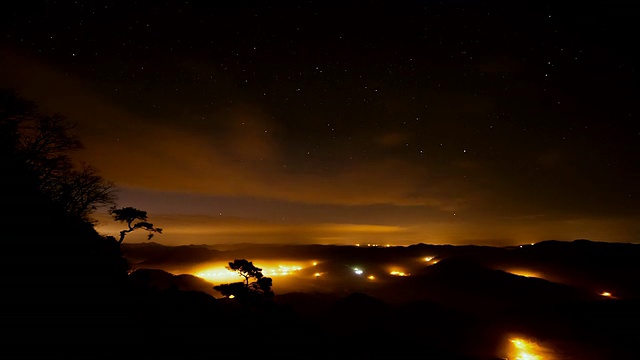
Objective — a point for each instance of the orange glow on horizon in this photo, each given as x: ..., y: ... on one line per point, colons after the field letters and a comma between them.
x: 218, y: 273
x: 398, y: 273
x: 525, y: 273
x: 607, y: 294
x: 524, y: 350
x: 519, y: 348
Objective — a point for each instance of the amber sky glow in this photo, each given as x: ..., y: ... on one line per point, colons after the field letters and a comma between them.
x: 452, y: 124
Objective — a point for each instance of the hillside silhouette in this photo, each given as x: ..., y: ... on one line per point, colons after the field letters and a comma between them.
x: 64, y: 284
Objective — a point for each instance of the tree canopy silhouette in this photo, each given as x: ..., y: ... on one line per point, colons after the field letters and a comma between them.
x: 255, y: 288
x: 42, y: 144
x: 129, y: 215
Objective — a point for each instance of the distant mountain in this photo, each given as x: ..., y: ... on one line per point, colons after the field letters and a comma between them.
x: 474, y: 288
x: 592, y: 265
x: 152, y: 254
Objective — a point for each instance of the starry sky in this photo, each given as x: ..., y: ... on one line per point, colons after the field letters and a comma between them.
x: 458, y: 122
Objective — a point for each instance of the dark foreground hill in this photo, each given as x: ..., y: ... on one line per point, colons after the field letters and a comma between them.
x: 462, y: 304
x: 456, y: 308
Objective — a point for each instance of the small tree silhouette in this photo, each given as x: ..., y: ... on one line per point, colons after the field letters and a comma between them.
x: 128, y: 215
x: 255, y: 289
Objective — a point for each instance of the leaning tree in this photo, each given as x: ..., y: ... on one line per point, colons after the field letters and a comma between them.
x: 135, y: 219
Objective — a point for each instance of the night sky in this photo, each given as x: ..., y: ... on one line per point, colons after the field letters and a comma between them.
x: 462, y: 122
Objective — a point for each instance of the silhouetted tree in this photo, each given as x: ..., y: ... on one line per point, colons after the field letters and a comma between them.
x: 83, y: 190
x: 255, y: 288
x: 129, y: 215
x: 43, y: 144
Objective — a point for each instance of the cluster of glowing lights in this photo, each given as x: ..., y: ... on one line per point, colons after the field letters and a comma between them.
x: 430, y: 259
x: 281, y: 270
x: 607, y: 294
x: 523, y: 349
x: 398, y: 273
x: 217, y: 275
x: 359, y: 271
x: 222, y: 274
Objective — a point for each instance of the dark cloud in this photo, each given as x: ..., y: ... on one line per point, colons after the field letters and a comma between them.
x: 515, y: 118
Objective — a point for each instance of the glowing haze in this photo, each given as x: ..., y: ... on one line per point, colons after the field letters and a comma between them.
x: 259, y: 124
